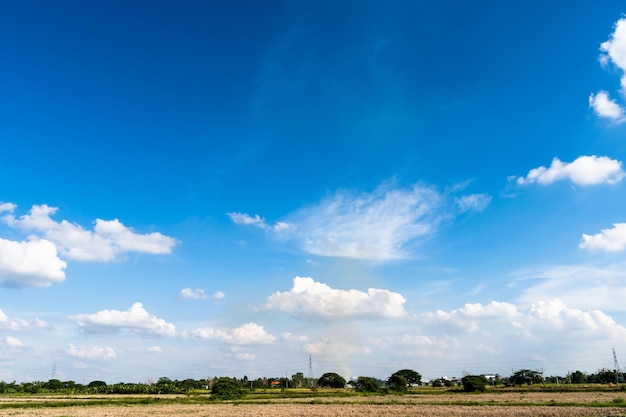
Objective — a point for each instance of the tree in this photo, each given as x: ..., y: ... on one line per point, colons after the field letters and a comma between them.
x: 397, y: 383
x: 227, y: 389
x: 367, y: 384
x: 412, y: 377
x: 473, y: 383
x: 331, y: 380
x: 298, y: 379
x: 526, y: 376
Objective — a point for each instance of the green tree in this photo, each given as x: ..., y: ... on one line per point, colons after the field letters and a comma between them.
x: 55, y: 385
x: 331, y: 380
x: 367, y: 384
x: 473, y: 383
x: 526, y: 376
x: 227, y: 389
x: 397, y: 383
x: 298, y: 379
x: 412, y: 377
x: 578, y: 377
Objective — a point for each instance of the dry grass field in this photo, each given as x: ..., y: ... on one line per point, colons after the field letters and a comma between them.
x: 504, y: 404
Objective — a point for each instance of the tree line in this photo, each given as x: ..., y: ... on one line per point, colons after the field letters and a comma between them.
x: 399, y: 381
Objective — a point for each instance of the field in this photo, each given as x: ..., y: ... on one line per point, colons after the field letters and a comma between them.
x: 489, y: 404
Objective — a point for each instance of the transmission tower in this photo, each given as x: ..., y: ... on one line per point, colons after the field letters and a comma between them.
x: 618, y: 373
x: 310, y: 373
x: 53, y: 374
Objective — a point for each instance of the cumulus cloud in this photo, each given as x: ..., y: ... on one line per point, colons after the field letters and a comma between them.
x: 218, y: 295
x: 585, y: 170
x: 248, y: 334
x: 309, y: 299
x: 98, y: 353
x: 135, y: 319
x: 605, y: 107
x: 257, y: 221
x: 33, y: 263
x: 472, y: 202
x: 610, y: 240
x: 613, y: 51
x: 108, y: 240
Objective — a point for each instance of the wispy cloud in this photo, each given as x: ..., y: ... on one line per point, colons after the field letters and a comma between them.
x: 108, y: 240
x: 610, y: 240
x: 579, y: 286
x: 135, y: 319
x: 613, y: 51
x: 584, y: 170
x: 13, y: 344
x: 383, y: 225
x: 309, y: 299
x: 472, y: 202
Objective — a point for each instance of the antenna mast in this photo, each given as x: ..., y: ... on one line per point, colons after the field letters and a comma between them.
x: 617, y: 371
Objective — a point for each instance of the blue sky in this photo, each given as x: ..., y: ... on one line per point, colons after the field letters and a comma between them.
x: 199, y: 189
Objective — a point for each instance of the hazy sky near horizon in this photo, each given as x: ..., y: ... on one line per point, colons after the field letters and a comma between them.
x: 195, y: 189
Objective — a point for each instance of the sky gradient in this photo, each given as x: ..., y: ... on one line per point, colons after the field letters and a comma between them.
x: 200, y: 189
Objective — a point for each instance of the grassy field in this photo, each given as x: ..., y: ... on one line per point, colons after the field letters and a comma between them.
x: 327, y: 403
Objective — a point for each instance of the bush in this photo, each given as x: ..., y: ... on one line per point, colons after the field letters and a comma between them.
x: 227, y: 389
x: 473, y: 383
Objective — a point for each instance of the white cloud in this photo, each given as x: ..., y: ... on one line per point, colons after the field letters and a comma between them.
x: 192, y: 294
x: 98, y: 353
x: 475, y: 202
x: 257, y: 221
x: 32, y: 263
x: 218, y: 295
x: 612, y: 51
x: 607, y: 108
x: 7, y: 207
x: 13, y: 344
x: 585, y: 170
x: 314, y: 300
x: 468, y: 317
x: 12, y: 324
x: 375, y: 226
x: 610, y: 240
x: 108, y: 240
x: 135, y: 319
x: 247, y: 334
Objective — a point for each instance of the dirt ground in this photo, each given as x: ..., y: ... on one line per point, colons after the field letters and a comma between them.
x: 314, y: 410
x: 507, y: 404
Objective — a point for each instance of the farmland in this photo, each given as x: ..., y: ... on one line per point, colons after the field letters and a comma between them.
x: 496, y: 403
